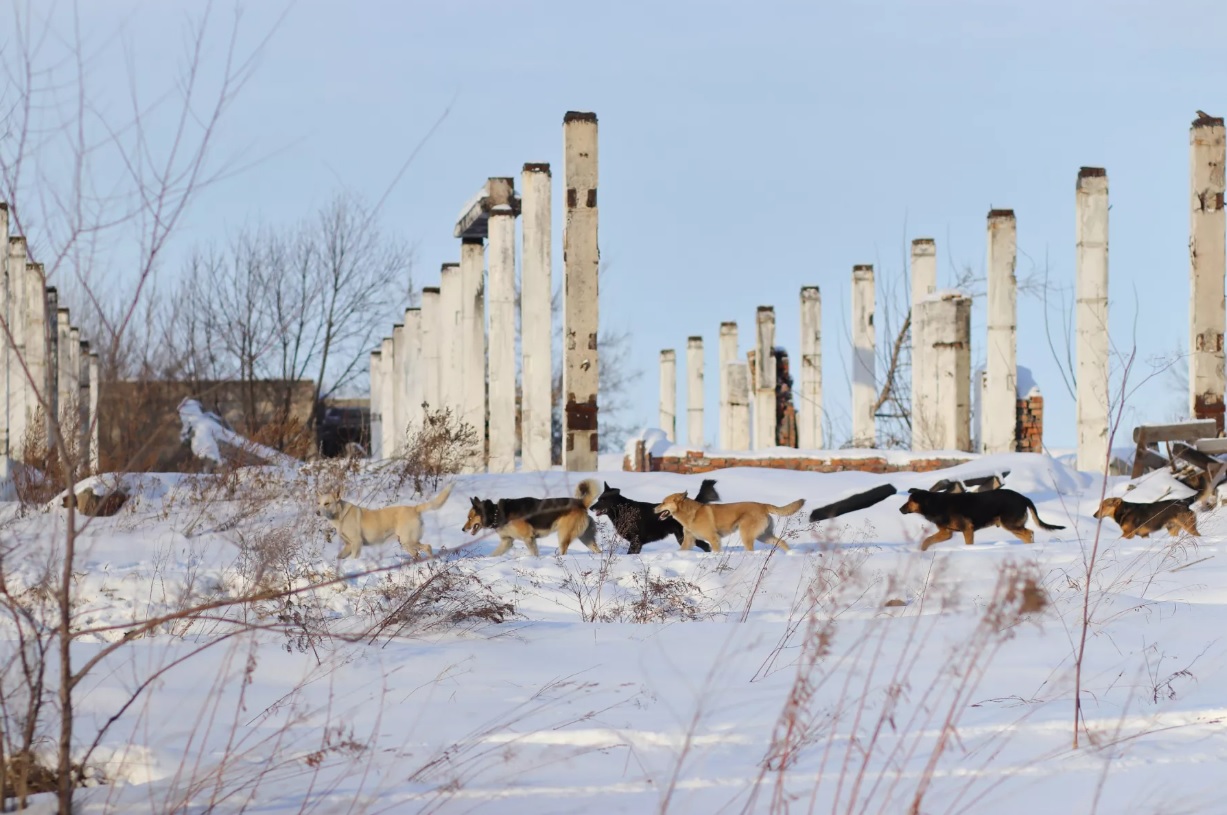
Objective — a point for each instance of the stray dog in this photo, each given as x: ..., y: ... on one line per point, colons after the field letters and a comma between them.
x: 1142, y: 519
x: 526, y: 519
x: 968, y: 511
x: 636, y: 522
x: 862, y: 500
x: 711, y: 522
x: 91, y: 503
x: 363, y: 525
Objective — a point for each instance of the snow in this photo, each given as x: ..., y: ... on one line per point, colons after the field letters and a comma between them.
x: 1025, y: 384
x: 571, y: 705
x: 207, y: 433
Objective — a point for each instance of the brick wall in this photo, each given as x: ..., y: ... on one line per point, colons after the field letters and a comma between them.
x: 696, y: 461
x: 1029, y: 426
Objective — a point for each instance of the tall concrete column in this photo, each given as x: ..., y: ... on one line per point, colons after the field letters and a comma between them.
x: 728, y: 356
x: 864, y: 358
x: 740, y: 431
x: 408, y: 367
x: 20, y: 400
x: 451, y: 351
x: 473, y: 341
x: 1091, y: 204
x: 1208, y: 232
x: 668, y: 393
x: 536, y: 319
x: 95, y: 422
x: 428, y: 374
x: 501, y: 371
x: 924, y: 375
x: 6, y: 348
x: 809, y: 423
x: 375, y: 405
x: 694, y: 392
x: 66, y: 384
x: 765, y: 419
x: 40, y: 358
x: 400, y: 379
x: 581, y: 266
x: 999, y: 416
x: 945, y: 322
x: 388, y: 397
x: 72, y: 422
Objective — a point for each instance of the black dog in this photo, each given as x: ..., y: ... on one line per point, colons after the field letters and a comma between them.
x: 638, y: 523
x: 968, y: 511
x: 862, y: 500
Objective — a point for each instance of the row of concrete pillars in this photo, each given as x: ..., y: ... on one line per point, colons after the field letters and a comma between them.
x: 456, y: 350
x: 47, y: 369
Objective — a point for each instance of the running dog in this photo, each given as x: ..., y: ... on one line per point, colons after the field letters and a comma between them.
x: 968, y: 511
x: 1142, y: 519
x: 636, y: 522
x: 527, y: 519
x: 362, y: 525
x: 711, y: 522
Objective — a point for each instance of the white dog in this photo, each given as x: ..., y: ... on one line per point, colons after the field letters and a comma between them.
x: 361, y: 525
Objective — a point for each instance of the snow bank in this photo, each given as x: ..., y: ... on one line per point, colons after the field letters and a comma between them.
x: 210, y: 438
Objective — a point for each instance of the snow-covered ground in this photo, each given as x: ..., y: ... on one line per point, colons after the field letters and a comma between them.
x: 852, y: 674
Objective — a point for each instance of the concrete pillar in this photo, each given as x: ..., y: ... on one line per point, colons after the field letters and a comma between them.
x: 581, y: 265
x: 388, y: 397
x: 95, y: 422
x: 946, y: 324
x: 399, y: 377
x: 864, y: 358
x: 6, y: 348
x: 1091, y: 270
x: 451, y: 352
x: 407, y: 370
x: 536, y: 320
x: 728, y: 356
x: 40, y: 359
x: 19, y: 389
x: 809, y: 424
x: 375, y: 405
x: 739, y: 406
x: 764, y: 379
x: 668, y: 393
x: 1208, y: 232
x: 428, y: 372
x: 501, y: 367
x: 66, y: 383
x: 80, y: 451
x: 473, y: 341
x: 999, y: 415
x: 694, y: 392
x: 924, y: 376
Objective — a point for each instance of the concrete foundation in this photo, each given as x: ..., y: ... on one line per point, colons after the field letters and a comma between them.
x: 668, y: 393
x: 924, y: 375
x: 1207, y: 267
x: 581, y: 261
x: 694, y: 392
x: 729, y: 354
x: 1001, y: 369
x: 945, y: 321
x: 864, y: 359
x: 764, y: 379
x: 501, y: 367
x: 809, y: 423
x: 536, y: 319
x: 1091, y: 273
x: 473, y: 342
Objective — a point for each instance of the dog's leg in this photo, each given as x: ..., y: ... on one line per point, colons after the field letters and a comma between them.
x: 937, y: 537
x: 531, y: 544
x: 1024, y: 534
x: 969, y: 534
x: 588, y: 538
x: 768, y: 536
x: 504, y: 543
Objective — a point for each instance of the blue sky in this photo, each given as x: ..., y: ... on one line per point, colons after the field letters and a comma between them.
x: 748, y: 149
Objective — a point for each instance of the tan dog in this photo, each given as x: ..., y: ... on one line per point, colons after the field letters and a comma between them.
x: 711, y: 522
x: 362, y: 525
x: 91, y: 503
x: 1142, y: 519
x: 526, y: 519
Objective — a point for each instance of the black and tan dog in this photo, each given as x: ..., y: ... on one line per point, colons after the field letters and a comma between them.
x: 637, y: 522
x: 711, y: 522
x: 526, y: 519
x: 968, y: 511
x: 1142, y: 519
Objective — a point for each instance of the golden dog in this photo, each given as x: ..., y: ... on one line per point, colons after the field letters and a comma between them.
x: 362, y: 525
x: 711, y: 522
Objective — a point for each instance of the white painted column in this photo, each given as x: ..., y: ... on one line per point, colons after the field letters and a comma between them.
x: 739, y: 406
x: 764, y: 379
x: 95, y: 421
x: 429, y: 353
x: 501, y: 369
x: 668, y: 393
x: 38, y: 345
x: 1091, y: 204
x: 83, y: 388
x: 407, y: 368
x: 945, y: 322
x: 473, y: 340
x: 389, y: 380
x: 19, y: 399
x: 924, y: 375
x: 451, y: 351
x: 1000, y: 413
x: 864, y: 358
x: 809, y: 423
x: 694, y: 392
x: 6, y: 349
x: 536, y: 319
x: 729, y: 355
x: 72, y: 422
x: 581, y: 267
x: 400, y: 405
x: 375, y: 405
x: 65, y: 382
x: 1208, y: 264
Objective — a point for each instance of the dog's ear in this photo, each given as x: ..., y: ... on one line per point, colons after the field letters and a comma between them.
x: 606, y: 483
x: 913, y: 490
x: 475, y: 501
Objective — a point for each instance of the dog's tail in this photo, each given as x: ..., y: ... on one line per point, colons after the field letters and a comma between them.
x: 787, y: 509
x: 436, y: 502
x: 1036, y: 516
x: 588, y: 491
x: 862, y: 500
x: 707, y: 492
